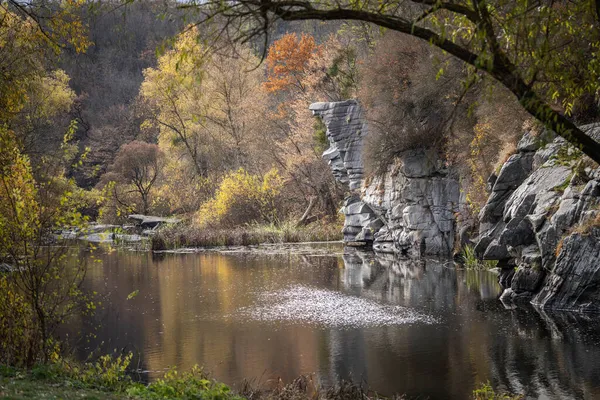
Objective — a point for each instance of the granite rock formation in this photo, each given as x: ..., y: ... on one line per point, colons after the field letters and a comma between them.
x: 539, y: 223
x: 346, y: 130
x: 409, y: 210
x: 418, y: 197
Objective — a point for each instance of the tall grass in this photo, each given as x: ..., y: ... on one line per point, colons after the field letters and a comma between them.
x: 179, y: 236
x: 471, y: 261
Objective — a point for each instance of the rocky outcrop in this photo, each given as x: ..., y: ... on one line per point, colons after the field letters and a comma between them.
x: 408, y: 210
x: 540, y: 221
x: 574, y: 283
x: 418, y: 197
x: 361, y: 222
x: 345, y: 130
x: 541, y: 196
x: 149, y: 221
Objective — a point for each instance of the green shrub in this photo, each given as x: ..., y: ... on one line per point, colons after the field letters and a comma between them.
x: 471, y: 261
x: 195, y: 384
x: 486, y: 392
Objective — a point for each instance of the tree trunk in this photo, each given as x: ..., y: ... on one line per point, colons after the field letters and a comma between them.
x: 303, y: 220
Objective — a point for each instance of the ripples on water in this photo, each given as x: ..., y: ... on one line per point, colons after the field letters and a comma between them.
x: 421, y: 328
x: 302, y: 304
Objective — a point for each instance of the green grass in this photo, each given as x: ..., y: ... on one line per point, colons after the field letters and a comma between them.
x: 24, y: 386
x: 106, y: 379
x: 471, y: 261
x: 485, y: 392
x: 56, y: 382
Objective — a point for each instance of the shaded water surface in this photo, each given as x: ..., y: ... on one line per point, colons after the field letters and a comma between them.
x: 420, y: 328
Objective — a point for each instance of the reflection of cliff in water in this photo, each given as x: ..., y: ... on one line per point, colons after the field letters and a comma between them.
x: 412, y: 282
x: 523, y: 351
x: 180, y: 317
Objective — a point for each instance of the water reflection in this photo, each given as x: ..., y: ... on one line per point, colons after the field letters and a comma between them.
x: 182, y: 317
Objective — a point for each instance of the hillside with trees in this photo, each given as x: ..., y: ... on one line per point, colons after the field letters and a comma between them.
x: 470, y: 127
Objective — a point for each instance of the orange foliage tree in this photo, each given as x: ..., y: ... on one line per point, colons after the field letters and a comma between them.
x: 287, y: 62
x: 300, y: 72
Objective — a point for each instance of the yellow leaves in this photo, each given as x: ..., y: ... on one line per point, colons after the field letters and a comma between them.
x: 23, y: 50
x: 50, y: 95
x: 242, y: 198
x: 67, y: 27
x: 19, y: 210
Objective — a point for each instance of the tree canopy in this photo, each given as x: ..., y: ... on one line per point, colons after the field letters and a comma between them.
x: 535, y: 48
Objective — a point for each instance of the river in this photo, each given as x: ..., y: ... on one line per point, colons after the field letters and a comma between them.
x: 422, y: 328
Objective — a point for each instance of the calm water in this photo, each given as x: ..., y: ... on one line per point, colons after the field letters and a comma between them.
x: 420, y: 328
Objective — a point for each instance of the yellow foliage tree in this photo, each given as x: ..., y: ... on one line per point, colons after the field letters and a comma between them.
x: 24, y: 44
x: 205, y: 105
x: 243, y: 198
x: 43, y: 289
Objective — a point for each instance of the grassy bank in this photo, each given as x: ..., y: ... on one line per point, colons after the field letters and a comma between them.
x: 106, y: 379
x: 54, y: 382
x: 178, y: 236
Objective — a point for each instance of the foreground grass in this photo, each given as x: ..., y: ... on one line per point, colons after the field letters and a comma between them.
x: 94, y: 381
x: 11, y: 388
x: 56, y: 382
x: 178, y: 236
x: 25, y: 388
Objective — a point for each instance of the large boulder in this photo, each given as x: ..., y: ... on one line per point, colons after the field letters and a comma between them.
x: 574, y: 283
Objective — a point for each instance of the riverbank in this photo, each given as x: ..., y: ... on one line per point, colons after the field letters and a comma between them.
x: 54, y: 382
x: 182, y: 235
x: 106, y: 379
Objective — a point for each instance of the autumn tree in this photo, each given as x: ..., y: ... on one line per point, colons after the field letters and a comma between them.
x: 402, y: 98
x: 206, y: 106
x: 204, y: 103
x: 108, y: 76
x: 535, y: 50
x: 325, y: 72
x: 137, y: 166
x: 43, y: 289
x: 287, y: 62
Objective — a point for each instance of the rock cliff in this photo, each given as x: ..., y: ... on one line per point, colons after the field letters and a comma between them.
x: 408, y: 210
x: 540, y: 222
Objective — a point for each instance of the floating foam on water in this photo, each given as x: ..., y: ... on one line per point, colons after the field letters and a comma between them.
x: 302, y: 304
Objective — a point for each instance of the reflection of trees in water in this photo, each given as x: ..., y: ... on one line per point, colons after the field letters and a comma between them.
x: 178, y: 319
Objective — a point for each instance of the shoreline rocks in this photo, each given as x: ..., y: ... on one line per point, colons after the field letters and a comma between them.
x: 540, y: 222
